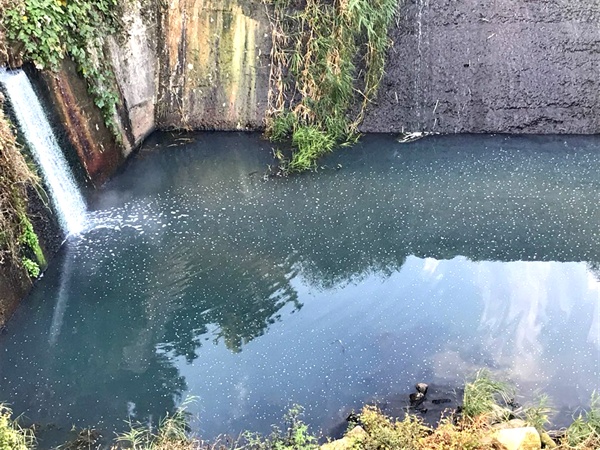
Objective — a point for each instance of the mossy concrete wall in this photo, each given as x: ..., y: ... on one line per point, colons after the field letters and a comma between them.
x: 214, y: 64
x: 505, y: 66
x: 97, y: 148
x: 193, y: 64
x: 455, y: 67
x: 14, y: 281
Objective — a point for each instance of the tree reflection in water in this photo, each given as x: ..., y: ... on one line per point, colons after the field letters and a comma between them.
x: 189, y: 246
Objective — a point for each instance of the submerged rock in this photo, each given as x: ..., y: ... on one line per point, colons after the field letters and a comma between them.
x: 416, y: 398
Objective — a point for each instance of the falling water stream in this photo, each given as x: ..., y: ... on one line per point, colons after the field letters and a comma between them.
x: 61, y: 187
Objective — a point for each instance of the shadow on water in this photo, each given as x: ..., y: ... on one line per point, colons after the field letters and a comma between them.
x: 419, y: 262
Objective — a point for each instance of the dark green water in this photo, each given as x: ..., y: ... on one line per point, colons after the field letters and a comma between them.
x: 412, y: 262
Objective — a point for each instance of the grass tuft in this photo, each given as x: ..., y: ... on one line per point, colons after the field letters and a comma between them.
x: 486, y: 396
x: 538, y: 415
x: 172, y: 433
x: 584, y: 432
x: 311, y: 144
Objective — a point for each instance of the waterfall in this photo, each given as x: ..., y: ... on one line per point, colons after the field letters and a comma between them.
x: 63, y: 192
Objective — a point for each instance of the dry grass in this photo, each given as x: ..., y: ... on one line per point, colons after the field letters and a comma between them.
x: 465, y: 434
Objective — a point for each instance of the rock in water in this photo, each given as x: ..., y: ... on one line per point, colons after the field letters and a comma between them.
x: 422, y: 388
x: 416, y: 398
x: 353, y: 418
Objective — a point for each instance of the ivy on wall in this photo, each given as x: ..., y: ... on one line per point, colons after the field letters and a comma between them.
x: 45, y: 31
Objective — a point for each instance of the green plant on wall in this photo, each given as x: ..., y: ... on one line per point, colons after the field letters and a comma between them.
x: 45, y: 31
x: 17, y: 237
x: 328, y: 60
x: 30, y: 240
x: 32, y: 268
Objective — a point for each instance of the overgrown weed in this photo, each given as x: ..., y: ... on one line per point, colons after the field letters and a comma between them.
x: 16, y: 232
x: 328, y: 59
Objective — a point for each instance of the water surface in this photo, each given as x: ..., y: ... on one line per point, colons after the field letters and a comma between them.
x: 393, y: 264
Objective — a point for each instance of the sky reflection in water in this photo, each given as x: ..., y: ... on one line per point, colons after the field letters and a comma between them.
x: 420, y: 262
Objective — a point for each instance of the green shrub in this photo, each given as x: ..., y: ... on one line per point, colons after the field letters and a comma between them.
x: 32, y: 268
x: 295, y: 437
x: 30, y: 239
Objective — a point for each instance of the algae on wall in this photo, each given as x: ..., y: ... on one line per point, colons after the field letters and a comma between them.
x: 214, y: 64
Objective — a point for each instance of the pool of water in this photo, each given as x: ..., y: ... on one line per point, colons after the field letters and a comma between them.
x: 392, y: 264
